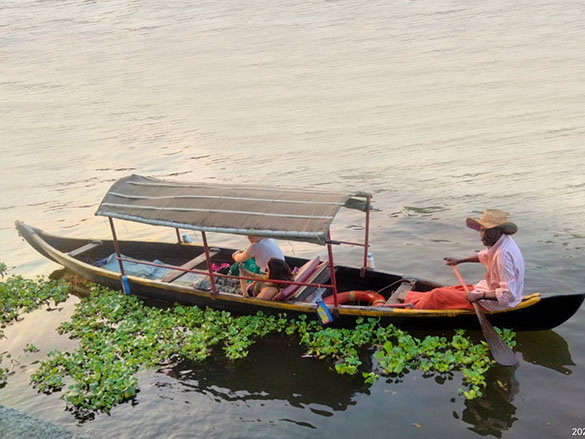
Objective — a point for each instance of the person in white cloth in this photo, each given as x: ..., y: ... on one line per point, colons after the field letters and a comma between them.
x: 261, y: 249
x: 503, y: 283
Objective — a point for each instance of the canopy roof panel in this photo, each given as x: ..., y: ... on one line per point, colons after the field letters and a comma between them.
x: 295, y: 214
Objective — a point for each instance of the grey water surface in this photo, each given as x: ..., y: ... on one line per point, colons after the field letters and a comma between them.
x: 439, y: 109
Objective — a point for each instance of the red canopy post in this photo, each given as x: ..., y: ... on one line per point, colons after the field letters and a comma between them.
x: 332, y: 269
x: 366, y: 237
x: 208, y: 258
x: 116, y: 246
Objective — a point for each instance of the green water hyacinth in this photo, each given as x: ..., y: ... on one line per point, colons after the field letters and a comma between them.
x: 30, y: 348
x: 19, y: 295
x: 119, y: 334
x: 401, y: 352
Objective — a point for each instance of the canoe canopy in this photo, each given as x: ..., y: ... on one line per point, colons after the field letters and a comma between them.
x: 293, y: 214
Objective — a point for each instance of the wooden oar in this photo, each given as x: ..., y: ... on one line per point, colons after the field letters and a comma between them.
x: 499, y: 349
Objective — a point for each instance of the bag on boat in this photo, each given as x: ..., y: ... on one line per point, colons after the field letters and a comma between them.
x: 249, y: 265
x: 323, y: 313
x: 135, y: 267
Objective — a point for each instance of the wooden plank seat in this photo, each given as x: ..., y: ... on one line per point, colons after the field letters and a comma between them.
x: 322, y: 275
x: 84, y: 248
x: 307, y: 273
x: 399, y: 294
x: 175, y: 274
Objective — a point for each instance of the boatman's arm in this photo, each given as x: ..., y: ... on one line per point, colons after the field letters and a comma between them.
x: 455, y: 261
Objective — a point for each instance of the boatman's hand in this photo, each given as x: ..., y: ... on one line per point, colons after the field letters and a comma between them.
x: 473, y: 297
x: 451, y: 261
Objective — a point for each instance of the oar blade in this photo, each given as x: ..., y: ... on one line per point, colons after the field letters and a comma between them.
x: 498, y: 347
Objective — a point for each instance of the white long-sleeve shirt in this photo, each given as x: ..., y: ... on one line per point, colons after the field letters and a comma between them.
x: 505, y: 274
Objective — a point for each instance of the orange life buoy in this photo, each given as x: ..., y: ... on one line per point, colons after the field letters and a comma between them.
x: 373, y: 298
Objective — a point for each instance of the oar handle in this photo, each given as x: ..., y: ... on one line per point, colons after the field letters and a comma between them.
x: 463, y: 284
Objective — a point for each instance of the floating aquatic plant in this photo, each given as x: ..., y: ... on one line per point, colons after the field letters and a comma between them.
x: 19, y: 295
x: 400, y: 352
x: 30, y: 348
x: 119, y: 334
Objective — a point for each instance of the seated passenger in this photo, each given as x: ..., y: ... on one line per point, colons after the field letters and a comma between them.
x: 504, y: 280
x: 261, y: 249
x: 276, y: 269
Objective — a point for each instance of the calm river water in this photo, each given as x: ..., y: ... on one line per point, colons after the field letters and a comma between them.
x: 439, y: 109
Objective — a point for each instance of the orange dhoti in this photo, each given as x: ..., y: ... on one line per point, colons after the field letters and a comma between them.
x: 453, y: 297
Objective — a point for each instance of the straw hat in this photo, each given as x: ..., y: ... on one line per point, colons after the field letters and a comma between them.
x: 493, y: 218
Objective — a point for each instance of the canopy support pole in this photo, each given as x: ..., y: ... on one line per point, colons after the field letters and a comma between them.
x: 332, y: 270
x: 366, y: 238
x: 179, y: 240
x: 208, y: 259
x: 116, y: 246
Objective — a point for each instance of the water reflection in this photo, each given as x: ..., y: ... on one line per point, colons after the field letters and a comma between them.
x: 545, y: 348
x: 275, y: 369
x: 494, y: 412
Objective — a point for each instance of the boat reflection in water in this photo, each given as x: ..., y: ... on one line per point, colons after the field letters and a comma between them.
x: 275, y: 369
x: 545, y: 348
x: 494, y: 412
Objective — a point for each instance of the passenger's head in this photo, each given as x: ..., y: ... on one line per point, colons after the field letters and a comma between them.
x: 278, y: 269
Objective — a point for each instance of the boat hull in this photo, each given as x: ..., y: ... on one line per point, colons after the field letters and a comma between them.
x: 535, y: 313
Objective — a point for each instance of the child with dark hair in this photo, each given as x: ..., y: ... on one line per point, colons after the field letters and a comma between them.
x: 276, y: 269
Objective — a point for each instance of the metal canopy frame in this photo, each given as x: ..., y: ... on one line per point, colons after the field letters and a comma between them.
x: 329, y: 242
x: 273, y: 212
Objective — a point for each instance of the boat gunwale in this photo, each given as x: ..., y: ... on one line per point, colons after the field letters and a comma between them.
x: 300, y: 307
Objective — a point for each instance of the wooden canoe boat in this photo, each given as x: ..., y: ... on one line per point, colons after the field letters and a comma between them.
x: 166, y: 271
